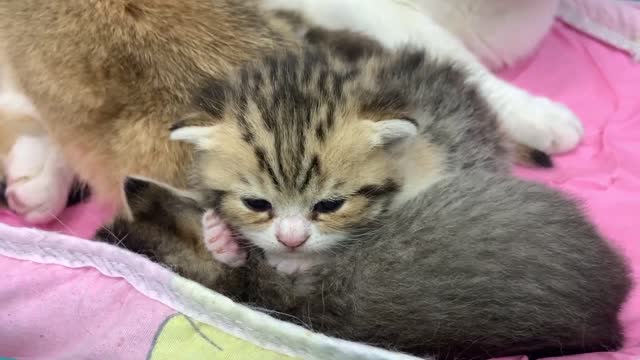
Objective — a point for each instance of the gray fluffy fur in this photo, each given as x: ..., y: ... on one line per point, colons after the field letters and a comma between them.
x: 479, y: 266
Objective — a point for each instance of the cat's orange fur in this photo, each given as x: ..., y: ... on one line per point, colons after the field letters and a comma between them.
x: 110, y: 76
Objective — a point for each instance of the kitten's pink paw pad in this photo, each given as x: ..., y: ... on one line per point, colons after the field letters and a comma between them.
x: 38, y: 180
x: 220, y: 242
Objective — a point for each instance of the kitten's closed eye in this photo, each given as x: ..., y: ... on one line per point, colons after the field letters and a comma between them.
x: 328, y: 206
x: 257, y: 205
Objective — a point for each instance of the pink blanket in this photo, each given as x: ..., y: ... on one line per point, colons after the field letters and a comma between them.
x: 600, y: 84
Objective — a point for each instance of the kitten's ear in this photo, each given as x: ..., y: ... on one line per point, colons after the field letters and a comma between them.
x: 135, y: 185
x: 191, y: 129
x: 200, y: 136
x: 152, y: 201
x: 393, y: 131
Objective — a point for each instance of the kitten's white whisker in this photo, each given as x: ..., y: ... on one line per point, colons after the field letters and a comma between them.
x: 67, y: 227
x: 121, y: 241
x: 282, y: 314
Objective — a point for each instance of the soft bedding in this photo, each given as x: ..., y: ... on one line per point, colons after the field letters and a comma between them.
x: 66, y: 298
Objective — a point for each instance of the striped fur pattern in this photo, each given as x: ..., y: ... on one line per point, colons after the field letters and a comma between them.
x: 342, y: 123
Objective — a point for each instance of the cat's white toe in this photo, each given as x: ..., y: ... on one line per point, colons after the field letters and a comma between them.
x: 38, y: 180
x: 219, y: 240
x: 546, y: 125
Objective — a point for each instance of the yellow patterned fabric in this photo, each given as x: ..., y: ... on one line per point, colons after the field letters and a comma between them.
x: 183, y: 338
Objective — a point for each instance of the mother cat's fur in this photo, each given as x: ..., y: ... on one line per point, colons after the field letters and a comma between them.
x: 110, y: 76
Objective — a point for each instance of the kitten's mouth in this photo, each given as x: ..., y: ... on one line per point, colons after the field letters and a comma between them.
x: 290, y: 251
x: 287, y: 251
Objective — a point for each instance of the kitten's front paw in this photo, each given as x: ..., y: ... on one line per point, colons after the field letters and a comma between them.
x: 220, y: 242
x: 290, y: 266
x: 38, y: 180
x: 546, y: 125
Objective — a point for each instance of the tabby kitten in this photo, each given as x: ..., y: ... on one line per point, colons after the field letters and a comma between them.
x: 298, y: 148
x: 478, y: 266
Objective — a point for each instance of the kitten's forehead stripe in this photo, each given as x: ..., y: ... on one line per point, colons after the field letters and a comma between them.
x: 267, y: 108
x: 300, y: 103
x: 331, y: 112
x: 279, y: 155
x: 314, y: 169
x: 257, y: 80
x: 320, y: 135
x: 307, y: 67
x: 290, y: 108
x: 243, y: 105
x: 322, y: 81
x: 266, y: 166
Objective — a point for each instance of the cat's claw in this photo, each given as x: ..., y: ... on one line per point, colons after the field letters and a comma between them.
x: 219, y: 240
x: 38, y: 179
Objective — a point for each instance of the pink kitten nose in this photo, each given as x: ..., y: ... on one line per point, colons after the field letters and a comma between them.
x: 292, y: 231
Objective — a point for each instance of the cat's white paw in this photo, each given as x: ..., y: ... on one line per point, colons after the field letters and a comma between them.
x: 544, y: 125
x: 220, y: 242
x: 38, y: 179
x: 291, y: 265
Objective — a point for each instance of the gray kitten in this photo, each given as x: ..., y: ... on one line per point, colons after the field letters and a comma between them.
x: 480, y: 265
x: 296, y: 149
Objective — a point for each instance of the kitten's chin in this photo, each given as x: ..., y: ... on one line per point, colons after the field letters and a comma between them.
x: 293, y: 263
